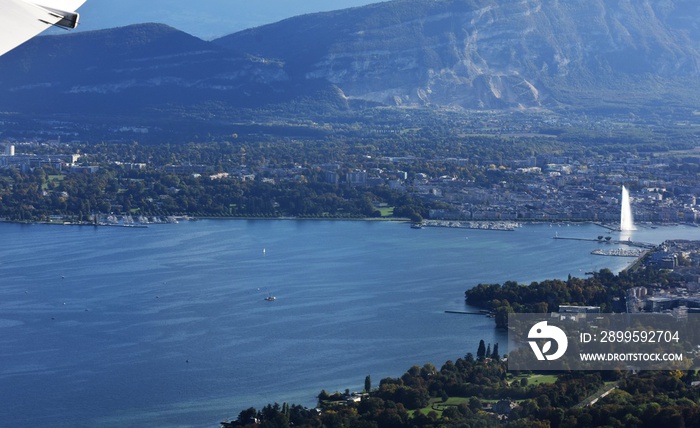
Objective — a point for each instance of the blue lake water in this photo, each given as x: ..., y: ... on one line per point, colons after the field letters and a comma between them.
x: 118, y: 327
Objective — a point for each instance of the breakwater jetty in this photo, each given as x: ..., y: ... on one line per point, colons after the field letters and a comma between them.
x: 482, y: 312
x: 637, y: 244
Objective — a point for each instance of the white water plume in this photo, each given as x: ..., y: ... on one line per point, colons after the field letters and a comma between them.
x: 626, y: 220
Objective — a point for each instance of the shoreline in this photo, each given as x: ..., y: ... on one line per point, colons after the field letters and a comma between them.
x: 140, y: 225
x: 494, y: 225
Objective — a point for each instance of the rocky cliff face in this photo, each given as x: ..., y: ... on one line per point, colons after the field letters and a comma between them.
x: 488, y: 53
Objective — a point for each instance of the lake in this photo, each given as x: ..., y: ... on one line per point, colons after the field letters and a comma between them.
x: 168, y: 325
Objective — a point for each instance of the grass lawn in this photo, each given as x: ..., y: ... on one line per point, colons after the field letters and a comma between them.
x: 439, y: 404
x: 534, y: 379
x: 540, y: 378
x: 386, y: 211
x: 55, y: 178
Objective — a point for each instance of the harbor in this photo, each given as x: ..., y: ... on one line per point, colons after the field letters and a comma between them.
x: 620, y: 252
x: 508, y: 226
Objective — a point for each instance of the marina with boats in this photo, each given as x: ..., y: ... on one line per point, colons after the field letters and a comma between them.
x: 481, y: 225
x: 620, y: 252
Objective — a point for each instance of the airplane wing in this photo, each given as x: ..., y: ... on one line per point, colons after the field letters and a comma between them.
x: 20, y: 20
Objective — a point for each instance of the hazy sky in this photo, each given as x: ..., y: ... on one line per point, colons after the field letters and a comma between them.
x: 202, y: 18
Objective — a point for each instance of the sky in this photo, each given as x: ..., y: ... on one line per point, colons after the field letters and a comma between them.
x: 207, y: 19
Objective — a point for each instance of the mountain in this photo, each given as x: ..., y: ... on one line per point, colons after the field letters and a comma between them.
x: 476, y: 54
x: 133, y: 69
x: 204, y: 19
x: 492, y: 53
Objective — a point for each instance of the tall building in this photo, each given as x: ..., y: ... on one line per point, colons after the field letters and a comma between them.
x: 356, y: 178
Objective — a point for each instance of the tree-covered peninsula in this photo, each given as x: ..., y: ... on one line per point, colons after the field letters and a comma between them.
x: 477, y: 390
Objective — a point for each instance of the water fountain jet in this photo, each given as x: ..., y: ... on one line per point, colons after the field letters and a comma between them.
x: 626, y: 220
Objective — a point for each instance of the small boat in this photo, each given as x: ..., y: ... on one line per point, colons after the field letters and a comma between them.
x: 270, y: 298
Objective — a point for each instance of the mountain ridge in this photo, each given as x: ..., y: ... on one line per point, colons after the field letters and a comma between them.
x: 137, y: 68
x: 472, y: 54
x: 502, y: 54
